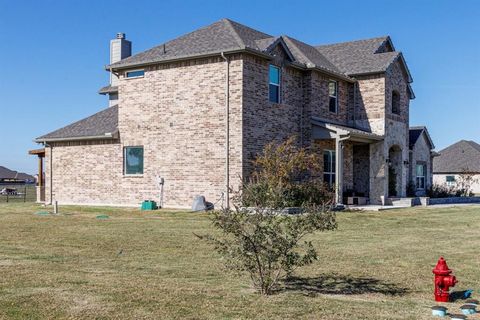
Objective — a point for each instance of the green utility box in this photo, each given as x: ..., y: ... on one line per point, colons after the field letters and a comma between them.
x: 149, y: 205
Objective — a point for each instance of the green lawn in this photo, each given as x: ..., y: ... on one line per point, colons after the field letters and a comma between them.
x: 150, y: 266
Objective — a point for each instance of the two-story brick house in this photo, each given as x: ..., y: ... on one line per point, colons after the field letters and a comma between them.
x: 195, y: 111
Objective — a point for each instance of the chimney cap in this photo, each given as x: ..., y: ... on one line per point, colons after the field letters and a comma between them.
x: 120, y: 35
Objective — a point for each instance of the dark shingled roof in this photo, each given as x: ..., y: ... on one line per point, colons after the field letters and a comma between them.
x: 413, y: 135
x: 108, y: 89
x: 415, y: 132
x: 6, y: 173
x: 342, y: 59
x: 459, y: 157
x: 309, y: 56
x: 359, y: 57
x: 223, y: 35
x: 100, y: 124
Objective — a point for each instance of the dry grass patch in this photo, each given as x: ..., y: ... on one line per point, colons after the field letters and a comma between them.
x: 140, y: 265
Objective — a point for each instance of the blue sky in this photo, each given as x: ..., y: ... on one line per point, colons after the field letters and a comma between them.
x: 52, y: 54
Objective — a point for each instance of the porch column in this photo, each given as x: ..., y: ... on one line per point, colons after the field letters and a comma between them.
x: 338, y: 170
x: 40, y: 171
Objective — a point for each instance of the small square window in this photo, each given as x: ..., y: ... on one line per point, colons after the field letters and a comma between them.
x: 135, y: 74
x: 133, y: 160
x: 450, y: 180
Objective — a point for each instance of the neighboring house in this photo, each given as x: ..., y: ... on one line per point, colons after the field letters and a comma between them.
x: 8, y: 176
x: 193, y: 112
x: 420, y: 160
x: 456, y: 162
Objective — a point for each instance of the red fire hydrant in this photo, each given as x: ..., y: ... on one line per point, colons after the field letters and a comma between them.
x: 443, y: 280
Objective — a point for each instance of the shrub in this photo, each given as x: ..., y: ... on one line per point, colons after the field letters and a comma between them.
x: 266, y: 245
x: 255, y: 238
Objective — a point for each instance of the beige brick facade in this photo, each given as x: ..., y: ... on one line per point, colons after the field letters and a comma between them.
x: 176, y: 112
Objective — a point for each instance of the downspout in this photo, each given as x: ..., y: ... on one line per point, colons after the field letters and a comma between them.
x: 355, y: 87
x: 51, y: 171
x: 227, y: 131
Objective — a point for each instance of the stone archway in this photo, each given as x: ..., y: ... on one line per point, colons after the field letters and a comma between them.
x: 395, y: 171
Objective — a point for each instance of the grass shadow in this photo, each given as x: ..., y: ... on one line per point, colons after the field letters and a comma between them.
x: 341, y: 284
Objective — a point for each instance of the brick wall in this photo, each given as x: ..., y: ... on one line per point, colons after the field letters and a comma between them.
x: 177, y: 113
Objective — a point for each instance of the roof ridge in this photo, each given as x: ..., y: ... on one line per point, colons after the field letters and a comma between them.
x: 237, y: 37
x: 352, y: 41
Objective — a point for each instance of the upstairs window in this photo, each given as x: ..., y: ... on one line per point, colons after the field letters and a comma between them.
x: 135, y: 74
x: 395, y: 102
x: 329, y: 167
x: 274, y: 84
x: 420, y: 181
x: 133, y: 160
x: 333, y: 93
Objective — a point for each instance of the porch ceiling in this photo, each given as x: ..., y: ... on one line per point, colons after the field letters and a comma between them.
x: 327, y: 130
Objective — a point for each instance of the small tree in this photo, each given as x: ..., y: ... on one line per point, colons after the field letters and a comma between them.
x: 465, y: 182
x: 259, y: 239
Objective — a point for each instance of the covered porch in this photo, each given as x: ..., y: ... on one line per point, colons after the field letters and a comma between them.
x: 40, y: 153
x: 346, y: 159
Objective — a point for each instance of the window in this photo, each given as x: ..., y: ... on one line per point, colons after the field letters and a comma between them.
x: 133, y: 160
x: 420, y: 180
x: 329, y: 167
x: 332, y: 93
x: 274, y: 84
x: 395, y: 102
x: 450, y: 180
x: 135, y: 74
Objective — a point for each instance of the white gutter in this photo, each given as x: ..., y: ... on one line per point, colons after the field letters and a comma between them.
x: 107, y: 135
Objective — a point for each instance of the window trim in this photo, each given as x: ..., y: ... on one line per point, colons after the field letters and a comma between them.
x: 333, y: 96
x: 136, y: 77
x: 278, y: 85
x: 424, y: 177
x: 125, y: 174
x: 333, y: 167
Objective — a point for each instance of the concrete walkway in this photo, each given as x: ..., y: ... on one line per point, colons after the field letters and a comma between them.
x: 373, y: 207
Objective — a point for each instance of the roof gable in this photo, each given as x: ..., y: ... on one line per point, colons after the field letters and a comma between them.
x: 416, y: 132
x: 367, y: 56
x: 309, y: 56
x: 457, y: 158
x: 268, y: 45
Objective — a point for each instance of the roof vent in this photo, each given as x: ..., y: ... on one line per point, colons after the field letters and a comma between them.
x: 120, y: 35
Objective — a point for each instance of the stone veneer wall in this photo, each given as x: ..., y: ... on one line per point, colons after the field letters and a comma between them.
x: 421, y: 155
x: 361, y: 168
x: 373, y: 112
